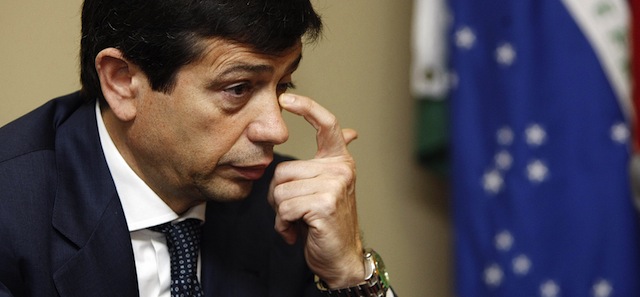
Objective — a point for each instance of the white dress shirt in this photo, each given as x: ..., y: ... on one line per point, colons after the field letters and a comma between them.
x: 143, y: 208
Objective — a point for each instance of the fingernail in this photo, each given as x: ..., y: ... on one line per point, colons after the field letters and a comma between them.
x: 287, y: 99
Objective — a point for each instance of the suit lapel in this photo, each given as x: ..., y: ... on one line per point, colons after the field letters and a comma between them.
x: 93, y: 256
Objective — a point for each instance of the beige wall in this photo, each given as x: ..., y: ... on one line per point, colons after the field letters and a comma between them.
x: 359, y: 71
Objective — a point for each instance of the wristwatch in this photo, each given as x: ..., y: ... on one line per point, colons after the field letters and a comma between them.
x: 376, y: 282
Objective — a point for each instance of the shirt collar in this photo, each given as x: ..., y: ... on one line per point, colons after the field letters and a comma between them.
x: 143, y: 208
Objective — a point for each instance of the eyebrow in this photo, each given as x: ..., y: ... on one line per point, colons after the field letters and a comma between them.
x: 259, y: 68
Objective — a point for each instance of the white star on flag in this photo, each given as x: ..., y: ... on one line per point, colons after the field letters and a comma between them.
x: 465, y: 38
x: 521, y: 265
x: 492, y: 181
x: 620, y: 133
x: 602, y: 289
x: 549, y: 289
x: 505, y: 54
x: 493, y: 275
x: 536, y: 135
x: 537, y: 171
x: 504, y: 241
x: 505, y: 136
x: 504, y: 160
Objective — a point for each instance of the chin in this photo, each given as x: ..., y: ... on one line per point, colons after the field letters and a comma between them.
x: 229, y: 192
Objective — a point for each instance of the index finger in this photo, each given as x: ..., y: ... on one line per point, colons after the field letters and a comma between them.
x: 329, y: 136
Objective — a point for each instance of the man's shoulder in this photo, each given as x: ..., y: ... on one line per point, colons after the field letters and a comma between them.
x: 36, y: 130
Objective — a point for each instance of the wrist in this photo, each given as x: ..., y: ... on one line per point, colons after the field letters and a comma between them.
x: 375, y: 284
x: 350, y: 274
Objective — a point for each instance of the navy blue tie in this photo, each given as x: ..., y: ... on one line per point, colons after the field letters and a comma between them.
x: 183, y: 241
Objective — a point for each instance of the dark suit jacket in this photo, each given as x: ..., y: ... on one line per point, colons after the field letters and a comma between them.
x: 63, y: 231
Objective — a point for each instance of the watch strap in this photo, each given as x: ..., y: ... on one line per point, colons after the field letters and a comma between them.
x: 370, y: 288
x: 376, y: 281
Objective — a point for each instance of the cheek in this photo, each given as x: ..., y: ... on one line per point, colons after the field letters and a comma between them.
x: 191, y: 130
x: 229, y: 142
x: 204, y: 141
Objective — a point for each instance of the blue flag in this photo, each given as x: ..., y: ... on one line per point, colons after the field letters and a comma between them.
x: 540, y: 152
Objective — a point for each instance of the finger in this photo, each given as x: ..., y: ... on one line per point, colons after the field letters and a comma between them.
x: 295, y: 188
x: 295, y: 170
x: 329, y: 136
x: 291, y: 178
x: 284, y: 172
x: 290, y: 231
x: 293, y: 214
x: 309, y: 208
x: 286, y: 230
x: 349, y: 135
x: 310, y: 169
x: 302, y: 188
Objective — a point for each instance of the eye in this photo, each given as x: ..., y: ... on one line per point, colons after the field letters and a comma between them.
x: 283, y: 87
x: 239, y: 90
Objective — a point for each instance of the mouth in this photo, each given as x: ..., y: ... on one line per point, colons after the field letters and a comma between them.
x: 253, y: 172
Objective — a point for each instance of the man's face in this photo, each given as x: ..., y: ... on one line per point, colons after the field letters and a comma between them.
x: 214, y: 133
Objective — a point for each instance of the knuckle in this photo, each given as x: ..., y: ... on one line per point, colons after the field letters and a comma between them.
x: 332, y: 122
x: 281, y: 168
x: 278, y: 193
x: 280, y: 225
x: 335, y: 183
x: 345, y: 171
x: 328, y: 203
x: 284, y: 210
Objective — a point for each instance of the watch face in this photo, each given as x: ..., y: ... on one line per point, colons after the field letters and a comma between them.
x: 381, y: 269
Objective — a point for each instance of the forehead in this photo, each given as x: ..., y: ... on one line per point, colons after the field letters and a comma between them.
x: 219, y: 54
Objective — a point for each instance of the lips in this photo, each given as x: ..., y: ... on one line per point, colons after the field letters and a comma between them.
x: 251, y: 172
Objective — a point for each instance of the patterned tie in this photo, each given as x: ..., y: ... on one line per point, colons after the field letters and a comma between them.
x: 183, y: 241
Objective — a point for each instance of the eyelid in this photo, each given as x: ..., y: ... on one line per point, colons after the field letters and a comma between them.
x: 245, y: 89
x: 283, y: 87
x: 234, y: 85
x: 290, y: 85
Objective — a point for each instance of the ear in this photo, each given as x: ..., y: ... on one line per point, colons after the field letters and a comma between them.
x: 118, y: 82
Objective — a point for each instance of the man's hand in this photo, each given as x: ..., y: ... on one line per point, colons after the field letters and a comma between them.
x: 315, y: 199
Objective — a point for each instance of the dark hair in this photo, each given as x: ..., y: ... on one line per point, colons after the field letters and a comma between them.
x: 160, y: 36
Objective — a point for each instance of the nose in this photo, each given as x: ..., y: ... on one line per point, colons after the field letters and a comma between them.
x: 268, y: 126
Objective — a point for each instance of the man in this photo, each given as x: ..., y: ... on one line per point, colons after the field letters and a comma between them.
x: 175, y: 125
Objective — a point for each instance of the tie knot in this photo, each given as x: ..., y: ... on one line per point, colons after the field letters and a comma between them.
x: 182, y: 225
x: 184, y: 231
